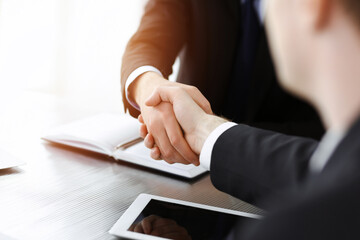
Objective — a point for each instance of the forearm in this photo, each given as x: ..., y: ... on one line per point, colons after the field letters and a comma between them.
x: 311, y: 128
x: 252, y: 164
x: 205, y: 126
x: 157, y: 42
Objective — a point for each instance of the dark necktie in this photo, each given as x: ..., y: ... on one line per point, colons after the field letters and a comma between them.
x: 237, y: 98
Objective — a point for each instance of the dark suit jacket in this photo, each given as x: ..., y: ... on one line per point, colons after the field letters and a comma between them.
x: 300, y: 205
x: 206, y: 34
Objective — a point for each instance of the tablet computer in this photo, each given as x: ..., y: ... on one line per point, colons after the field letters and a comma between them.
x: 153, y: 218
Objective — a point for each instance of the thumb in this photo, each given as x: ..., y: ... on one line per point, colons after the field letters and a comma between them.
x: 161, y: 94
x: 154, y: 99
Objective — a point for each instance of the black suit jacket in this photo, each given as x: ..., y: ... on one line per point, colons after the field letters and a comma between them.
x: 300, y: 205
x: 205, y: 33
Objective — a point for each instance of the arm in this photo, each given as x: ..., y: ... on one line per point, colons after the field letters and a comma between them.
x: 246, y: 162
x: 160, y: 37
x: 157, y: 42
x: 259, y: 163
x: 254, y: 163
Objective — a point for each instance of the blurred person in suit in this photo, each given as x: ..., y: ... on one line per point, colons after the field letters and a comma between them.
x: 225, y: 67
x: 316, y: 47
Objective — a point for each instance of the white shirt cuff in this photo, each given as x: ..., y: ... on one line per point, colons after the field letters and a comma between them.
x: 133, y: 76
x: 206, y: 151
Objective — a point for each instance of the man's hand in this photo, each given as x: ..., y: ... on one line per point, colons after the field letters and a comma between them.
x: 195, y: 122
x: 160, y: 120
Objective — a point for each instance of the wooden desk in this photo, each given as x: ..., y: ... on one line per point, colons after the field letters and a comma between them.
x: 67, y: 194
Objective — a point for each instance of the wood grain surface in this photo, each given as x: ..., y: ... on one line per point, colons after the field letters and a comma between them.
x: 64, y: 193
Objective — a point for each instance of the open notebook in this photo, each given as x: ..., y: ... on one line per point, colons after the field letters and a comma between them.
x: 8, y: 161
x: 116, y: 136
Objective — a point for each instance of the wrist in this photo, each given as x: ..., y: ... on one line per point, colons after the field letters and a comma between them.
x: 205, y: 128
x: 144, y: 86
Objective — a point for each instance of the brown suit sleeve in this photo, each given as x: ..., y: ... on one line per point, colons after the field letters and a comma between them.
x: 157, y: 42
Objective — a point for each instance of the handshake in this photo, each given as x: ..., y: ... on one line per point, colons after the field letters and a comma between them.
x: 175, y: 122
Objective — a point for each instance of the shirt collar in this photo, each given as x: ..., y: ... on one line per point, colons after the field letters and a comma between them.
x: 326, y: 148
x: 259, y: 8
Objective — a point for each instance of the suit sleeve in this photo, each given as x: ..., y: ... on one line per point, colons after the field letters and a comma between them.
x: 157, y: 42
x: 252, y: 164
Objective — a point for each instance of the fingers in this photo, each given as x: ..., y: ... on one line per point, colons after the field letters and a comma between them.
x: 155, y: 153
x: 162, y: 227
x: 168, y: 228
x: 146, y: 223
x: 143, y: 131
x: 132, y: 227
x: 168, y: 152
x: 138, y: 228
x: 168, y: 135
x: 164, y: 94
x: 178, y: 141
x: 161, y: 124
x: 199, y: 98
x: 169, y: 93
x: 163, y: 222
x: 141, y: 119
x: 149, y: 141
x: 161, y: 129
x: 154, y: 99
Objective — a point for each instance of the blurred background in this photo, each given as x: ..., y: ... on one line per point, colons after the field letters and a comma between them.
x: 70, y: 49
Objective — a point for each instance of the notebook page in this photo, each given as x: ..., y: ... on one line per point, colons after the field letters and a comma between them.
x: 105, y: 131
x: 8, y: 161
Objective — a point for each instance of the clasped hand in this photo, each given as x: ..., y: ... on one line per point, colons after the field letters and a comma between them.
x: 187, y: 124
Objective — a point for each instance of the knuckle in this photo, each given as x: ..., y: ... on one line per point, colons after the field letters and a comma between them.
x: 154, y: 155
x: 194, y: 89
x: 164, y: 115
x: 143, y: 130
x: 167, y: 154
x: 207, y: 103
x: 149, y: 123
x: 153, y: 124
x: 169, y: 162
x: 208, y: 106
x: 158, y: 89
x: 179, y: 159
x: 182, y: 90
x: 148, y: 144
x: 175, y: 140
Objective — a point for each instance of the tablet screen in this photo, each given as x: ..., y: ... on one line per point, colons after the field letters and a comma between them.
x: 175, y: 221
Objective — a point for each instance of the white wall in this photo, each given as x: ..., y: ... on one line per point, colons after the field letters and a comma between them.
x: 71, y: 48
